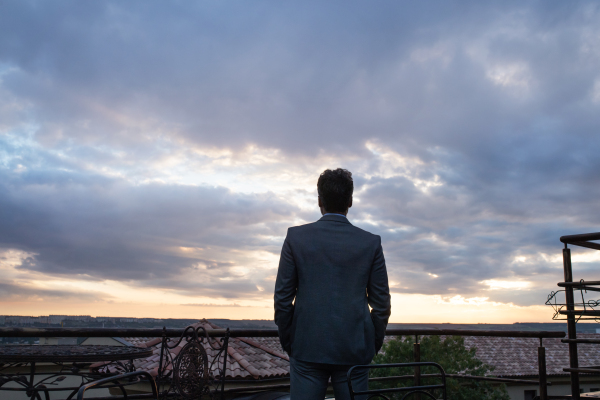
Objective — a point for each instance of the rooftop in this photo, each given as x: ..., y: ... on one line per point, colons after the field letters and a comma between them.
x: 248, y: 359
x: 263, y: 358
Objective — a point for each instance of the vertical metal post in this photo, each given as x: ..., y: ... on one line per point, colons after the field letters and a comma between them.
x: 31, y: 383
x: 571, y: 327
x: 542, y: 371
x: 417, y: 358
x: 225, y: 346
x: 163, y: 344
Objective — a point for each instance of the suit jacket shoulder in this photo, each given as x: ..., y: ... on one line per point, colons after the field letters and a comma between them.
x: 318, y: 224
x: 366, y: 234
x: 304, y: 234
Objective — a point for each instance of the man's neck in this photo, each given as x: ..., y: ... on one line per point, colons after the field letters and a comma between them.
x: 329, y: 213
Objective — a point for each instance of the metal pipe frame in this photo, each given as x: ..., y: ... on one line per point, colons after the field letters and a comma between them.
x: 417, y: 359
x: 571, y: 321
x: 584, y: 237
x: 411, y: 389
x: 542, y: 372
x: 171, y: 333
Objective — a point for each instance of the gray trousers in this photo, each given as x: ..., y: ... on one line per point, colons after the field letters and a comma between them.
x: 309, y: 380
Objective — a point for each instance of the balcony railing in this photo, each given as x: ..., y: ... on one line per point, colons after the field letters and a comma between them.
x: 171, y: 383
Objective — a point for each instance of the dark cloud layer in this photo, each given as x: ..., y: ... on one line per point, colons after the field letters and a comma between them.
x: 109, y: 230
x: 497, y: 102
x: 300, y: 76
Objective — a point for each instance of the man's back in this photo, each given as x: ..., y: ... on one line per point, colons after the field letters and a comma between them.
x: 334, y: 271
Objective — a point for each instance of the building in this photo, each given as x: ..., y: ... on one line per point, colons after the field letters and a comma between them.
x: 517, y: 358
x: 256, y: 362
x: 262, y: 362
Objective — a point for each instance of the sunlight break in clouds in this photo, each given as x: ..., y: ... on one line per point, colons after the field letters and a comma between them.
x: 496, y: 284
x: 457, y: 309
x: 391, y: 164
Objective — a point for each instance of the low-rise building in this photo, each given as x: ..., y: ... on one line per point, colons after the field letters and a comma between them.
x: 262, y: 362
x: 254, y: 362
x: 517, y: 358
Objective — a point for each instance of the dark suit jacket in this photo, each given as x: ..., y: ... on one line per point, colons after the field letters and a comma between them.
x: 334, y: 271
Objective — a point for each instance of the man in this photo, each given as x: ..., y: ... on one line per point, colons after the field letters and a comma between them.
x: 330, y: 272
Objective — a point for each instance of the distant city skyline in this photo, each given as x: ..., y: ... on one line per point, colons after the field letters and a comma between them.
x: 153, y: 155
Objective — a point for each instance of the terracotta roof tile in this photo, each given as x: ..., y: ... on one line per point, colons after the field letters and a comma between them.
x: 256, y: 358
x: 152, y: 342
x: 518, y: 356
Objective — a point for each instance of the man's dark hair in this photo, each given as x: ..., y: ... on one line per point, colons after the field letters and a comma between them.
x: 335, y: 189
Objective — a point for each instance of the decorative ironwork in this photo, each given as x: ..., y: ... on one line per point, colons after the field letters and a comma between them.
x: 583, y: 310
x: 132, y: 377
x: 69, y: 358
x: 190, y: 373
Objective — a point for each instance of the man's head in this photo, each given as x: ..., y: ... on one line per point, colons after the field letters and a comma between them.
x: 335, y: 191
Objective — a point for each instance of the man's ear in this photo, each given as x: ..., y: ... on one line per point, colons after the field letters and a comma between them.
x: 350, y: 204
x: 320, y: 202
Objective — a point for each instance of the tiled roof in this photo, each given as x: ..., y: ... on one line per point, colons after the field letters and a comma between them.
x: 260, y: 358
x: 256, y: 358
x: 512, y: 357
x: 518, y: 356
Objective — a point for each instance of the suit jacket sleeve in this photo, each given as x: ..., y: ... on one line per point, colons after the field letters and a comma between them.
x: 285, y: 292
x: 378, y: 295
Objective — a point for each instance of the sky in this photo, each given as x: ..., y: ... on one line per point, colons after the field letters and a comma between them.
x: 153, y: 154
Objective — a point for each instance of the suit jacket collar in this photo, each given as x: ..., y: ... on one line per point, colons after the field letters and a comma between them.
x: 335, y: 218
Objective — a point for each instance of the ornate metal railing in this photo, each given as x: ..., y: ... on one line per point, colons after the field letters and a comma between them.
x: 188, y: 375
x: 70, y: 360
x: 131, y: 376
x: 191, y: 374
x: 426, y: 390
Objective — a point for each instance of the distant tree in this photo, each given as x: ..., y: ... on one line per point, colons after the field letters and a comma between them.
x: 451, y: 354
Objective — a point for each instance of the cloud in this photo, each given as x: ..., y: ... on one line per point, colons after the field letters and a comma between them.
x: 139, y: 234
x: 170, y: 146
x: 15, y: 292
